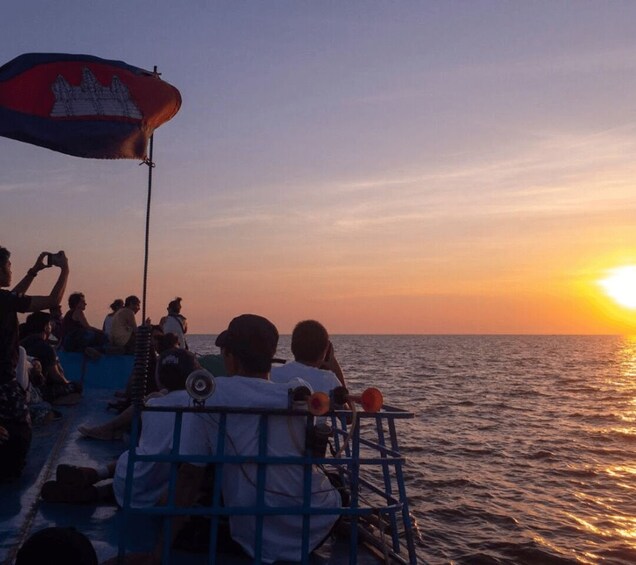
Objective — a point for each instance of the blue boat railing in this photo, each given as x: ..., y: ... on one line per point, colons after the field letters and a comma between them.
x: 366, y: 456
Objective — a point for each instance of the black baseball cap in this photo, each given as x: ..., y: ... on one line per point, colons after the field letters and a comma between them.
x: 175, y: 365
x: 250, y: 335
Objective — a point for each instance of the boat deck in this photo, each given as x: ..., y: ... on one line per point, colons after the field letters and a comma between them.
x: 23, y: 512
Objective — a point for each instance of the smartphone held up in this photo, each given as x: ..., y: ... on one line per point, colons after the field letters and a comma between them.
x: 54, y: 259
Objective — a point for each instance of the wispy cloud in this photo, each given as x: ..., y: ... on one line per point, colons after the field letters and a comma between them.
x: 551, y: 175
x: 534, y: 67
x: 12, y: 187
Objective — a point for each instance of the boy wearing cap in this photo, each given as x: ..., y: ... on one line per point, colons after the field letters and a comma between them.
x: 150, y: 479
x: 248, y: 346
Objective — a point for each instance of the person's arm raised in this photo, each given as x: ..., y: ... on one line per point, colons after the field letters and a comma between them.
x: 331, y: 364
x: 57, y: 292
x: 25, y: 283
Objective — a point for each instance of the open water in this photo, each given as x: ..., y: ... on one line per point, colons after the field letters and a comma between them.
x: 523, y: 449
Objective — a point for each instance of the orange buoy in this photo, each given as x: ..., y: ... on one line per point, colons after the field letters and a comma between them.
x: 318, y: 403
x: 371, y: 400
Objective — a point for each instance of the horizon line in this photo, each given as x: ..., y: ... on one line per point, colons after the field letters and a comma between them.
x: 460, y: 334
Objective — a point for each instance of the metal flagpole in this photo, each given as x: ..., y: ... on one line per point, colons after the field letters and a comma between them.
x: 151, y: 166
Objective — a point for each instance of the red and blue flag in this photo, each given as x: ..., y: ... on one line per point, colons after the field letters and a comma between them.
x: 83, y: 105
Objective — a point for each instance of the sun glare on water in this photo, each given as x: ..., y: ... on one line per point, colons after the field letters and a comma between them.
x: 620, y: 285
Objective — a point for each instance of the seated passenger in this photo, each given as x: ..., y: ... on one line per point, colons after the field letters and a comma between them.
x: 248, y: 346
x: 175, y: 323
x: 123, y: 330
x: 55, y: 388
x: 84, y: 484
x: 77, y: 333
x: 117, y: 305
x: 314, y: 359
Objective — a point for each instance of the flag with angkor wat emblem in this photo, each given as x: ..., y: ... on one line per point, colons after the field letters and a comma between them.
x: 83, y: 105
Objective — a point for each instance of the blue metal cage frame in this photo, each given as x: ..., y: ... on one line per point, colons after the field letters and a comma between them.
x: 369, y: 462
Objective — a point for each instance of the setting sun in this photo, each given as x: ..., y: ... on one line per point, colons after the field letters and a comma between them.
x: 620, y: 285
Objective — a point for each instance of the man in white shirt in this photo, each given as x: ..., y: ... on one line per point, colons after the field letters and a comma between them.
x: 248, y: 346
x: 314, y: 359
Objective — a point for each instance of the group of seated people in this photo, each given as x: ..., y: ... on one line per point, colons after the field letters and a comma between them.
x: 247, y: 347
x: 31, y: 375
x: 39, y: 371
x: 117, y: 334
x: 119, y: 328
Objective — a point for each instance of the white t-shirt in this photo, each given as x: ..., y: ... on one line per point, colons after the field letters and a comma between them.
x: 282, y: 534
x: 172, y: 325
x: 150, y: 478
x: 319, y: 379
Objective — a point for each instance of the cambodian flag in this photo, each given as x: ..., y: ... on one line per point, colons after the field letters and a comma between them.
x: 83, y: 105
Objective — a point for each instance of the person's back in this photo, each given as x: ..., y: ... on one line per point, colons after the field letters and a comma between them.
x: 321, y: 380
x: 314, y: 359
x: 175, y: 323
x: 282, y: 534
x: 283, y: 484
x: 107, y: 325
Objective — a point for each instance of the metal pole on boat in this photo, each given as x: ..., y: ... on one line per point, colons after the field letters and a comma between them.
x: 151, y: 165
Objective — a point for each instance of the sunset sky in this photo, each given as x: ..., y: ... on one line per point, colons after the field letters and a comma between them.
x: 429, y: 167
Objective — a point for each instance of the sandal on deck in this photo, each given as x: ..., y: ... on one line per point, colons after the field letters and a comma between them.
x: 78, y: 477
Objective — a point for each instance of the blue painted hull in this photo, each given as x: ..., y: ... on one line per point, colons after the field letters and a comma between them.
x: 109, y: 372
